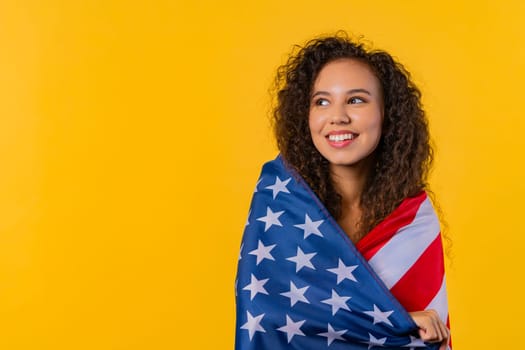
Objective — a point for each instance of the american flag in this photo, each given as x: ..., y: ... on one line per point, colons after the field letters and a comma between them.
x: 302, y: 284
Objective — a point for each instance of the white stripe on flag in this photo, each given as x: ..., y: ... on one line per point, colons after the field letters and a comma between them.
x: 397, y: 256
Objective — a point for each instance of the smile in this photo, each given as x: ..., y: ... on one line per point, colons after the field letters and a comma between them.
x: 341, y: 137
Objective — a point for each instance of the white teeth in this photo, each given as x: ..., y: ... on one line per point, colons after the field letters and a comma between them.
x: 341, y: 137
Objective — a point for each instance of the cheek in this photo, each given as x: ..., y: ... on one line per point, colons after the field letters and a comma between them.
x: 315, y: 122
x: 375, y: 123
x: 378, y: 130
x: 373, y: 131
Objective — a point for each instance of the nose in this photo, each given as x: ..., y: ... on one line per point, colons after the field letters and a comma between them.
x: 340, y: 116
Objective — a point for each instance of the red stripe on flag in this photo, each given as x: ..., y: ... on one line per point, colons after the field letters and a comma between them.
x: 420, y: 284
x: 448, y: 326
x: 403, y: 215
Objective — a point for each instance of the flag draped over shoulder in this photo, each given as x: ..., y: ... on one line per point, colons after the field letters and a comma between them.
x: 302, y: 284
x: 406, y: 252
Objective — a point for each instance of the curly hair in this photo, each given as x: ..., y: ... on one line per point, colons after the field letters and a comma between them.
x: 403, y: 156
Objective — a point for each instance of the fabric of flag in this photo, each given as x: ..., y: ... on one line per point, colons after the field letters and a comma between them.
x: 417, y: 280
x: 302, y: 284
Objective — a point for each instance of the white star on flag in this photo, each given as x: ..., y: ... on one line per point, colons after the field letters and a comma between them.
x: 415, y: 342
x: 332, y: 334
x: 342, y: 271
x: 256, y: 286
x: 375, y: 342
x: 271, y: 218
x: 301, y: 260
x: 380, y: 316
x: 240, y: 251
x: 262, y: 252
x: 292, y: 328
x: 310, y: 227
x: 337, y: 302
x: 256, y: 185
x: 279, y: 186
x: 253, y: 324
x: 296, y: 294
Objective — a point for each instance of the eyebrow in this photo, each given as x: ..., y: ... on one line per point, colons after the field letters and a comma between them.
x: 352, y: 91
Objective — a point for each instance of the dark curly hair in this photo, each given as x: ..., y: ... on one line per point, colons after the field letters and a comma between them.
x: 404, y: 154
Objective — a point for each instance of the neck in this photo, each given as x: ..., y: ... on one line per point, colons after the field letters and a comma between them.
x: 349, y: 182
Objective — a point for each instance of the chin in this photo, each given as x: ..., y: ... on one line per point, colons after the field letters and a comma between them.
x: 349, y: 162
x: 340, y: 162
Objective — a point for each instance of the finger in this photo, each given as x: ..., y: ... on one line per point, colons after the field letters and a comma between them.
x: 440, y: 327
x: 445, y: 340
x: 445, y: 333
x: 431, y: 328
x: 444, y: 345
x: 440, y: 331
x: 429, y: 334
x: 436, y: 332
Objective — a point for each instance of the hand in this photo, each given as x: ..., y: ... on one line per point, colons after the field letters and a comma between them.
x: 431, y: 328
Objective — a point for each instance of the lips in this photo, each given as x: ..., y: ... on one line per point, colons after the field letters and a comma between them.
x: 341, y: 138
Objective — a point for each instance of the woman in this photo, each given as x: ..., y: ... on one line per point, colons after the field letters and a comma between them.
x: 355, y: 154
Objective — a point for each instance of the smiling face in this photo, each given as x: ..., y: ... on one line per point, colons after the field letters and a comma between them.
x: 346, y: 112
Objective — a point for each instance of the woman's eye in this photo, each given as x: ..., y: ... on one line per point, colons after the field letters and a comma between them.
x: 355, y: 100
x: 321, y: 102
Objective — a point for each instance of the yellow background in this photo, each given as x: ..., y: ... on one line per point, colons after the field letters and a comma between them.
x: 132, y: 133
